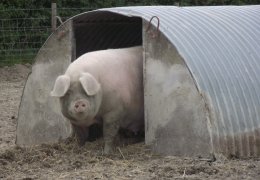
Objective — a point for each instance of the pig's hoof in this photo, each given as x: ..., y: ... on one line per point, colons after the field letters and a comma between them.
x: 68, y: 140
x: 108, y: 150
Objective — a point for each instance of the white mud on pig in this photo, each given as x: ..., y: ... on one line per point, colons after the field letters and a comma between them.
x: 103, y: 87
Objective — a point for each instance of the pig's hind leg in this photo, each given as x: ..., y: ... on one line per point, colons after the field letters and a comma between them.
x: 129, y: 137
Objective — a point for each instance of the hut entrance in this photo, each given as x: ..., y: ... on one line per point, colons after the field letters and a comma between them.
x: 105, y: 30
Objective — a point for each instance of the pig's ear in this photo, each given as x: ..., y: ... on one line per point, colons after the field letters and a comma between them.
x: 61, y: 86
x: 89, y: 84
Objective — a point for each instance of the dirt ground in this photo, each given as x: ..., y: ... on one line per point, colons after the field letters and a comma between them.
x: 66, y: 160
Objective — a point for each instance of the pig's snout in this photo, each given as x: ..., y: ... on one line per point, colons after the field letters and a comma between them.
x: 80, y: 106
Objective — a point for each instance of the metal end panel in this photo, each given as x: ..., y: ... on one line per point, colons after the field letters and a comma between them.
x: 40, y: 120
x: 176, y: 117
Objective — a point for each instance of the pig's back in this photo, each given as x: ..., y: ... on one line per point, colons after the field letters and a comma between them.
x: 107, y: 62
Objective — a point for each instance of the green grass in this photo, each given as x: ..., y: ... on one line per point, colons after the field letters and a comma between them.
x: 16, y: 59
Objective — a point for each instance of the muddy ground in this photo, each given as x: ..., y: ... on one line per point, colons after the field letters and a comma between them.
x: 66, y: 160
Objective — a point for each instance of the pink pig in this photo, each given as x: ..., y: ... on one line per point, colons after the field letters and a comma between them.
x: 107, y: 85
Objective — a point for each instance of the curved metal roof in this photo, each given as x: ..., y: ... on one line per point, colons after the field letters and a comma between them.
x: 221, y: 47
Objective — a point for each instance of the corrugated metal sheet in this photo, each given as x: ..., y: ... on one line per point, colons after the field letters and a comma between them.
x: 221, y: 47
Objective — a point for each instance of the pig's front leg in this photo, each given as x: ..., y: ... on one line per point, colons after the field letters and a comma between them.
x: 80, y: 133
x: 110, y: 130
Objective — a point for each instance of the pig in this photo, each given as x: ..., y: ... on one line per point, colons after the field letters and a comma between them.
x: 104, y: 86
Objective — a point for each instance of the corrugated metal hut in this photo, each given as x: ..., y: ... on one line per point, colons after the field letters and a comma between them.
x: 201, y: 76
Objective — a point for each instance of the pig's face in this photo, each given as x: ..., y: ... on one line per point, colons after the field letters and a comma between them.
x: 80, y: 100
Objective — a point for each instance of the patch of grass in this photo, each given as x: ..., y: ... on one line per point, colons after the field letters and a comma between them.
x: 9, y: 60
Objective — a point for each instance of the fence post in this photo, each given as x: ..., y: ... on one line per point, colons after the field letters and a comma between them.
x: 53, y: 16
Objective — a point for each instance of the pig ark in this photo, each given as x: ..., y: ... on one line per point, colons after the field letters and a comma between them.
x: 106, y: 87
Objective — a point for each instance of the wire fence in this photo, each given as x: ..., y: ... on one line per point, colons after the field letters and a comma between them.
x: 22, y: 36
